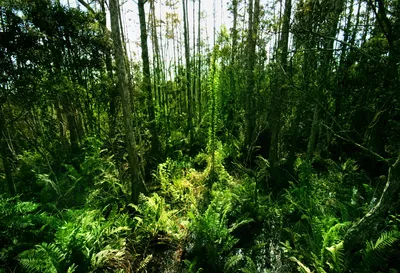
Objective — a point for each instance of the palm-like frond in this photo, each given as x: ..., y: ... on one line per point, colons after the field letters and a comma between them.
x: 374, y: 252
x: 46, y: 258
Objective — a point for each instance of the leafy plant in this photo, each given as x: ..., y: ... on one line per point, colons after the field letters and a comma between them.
x: 85, y: 243
x: 374, y: 253
x: 212, y: 233
x: 22, y: 225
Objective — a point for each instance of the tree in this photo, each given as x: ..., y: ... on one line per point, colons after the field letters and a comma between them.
x: 155, y: 143
x: 136, y: 183
x: 231, y: 119
x: 254, y: 14
x: 279, y: 93
x: 188, y: 67
x: 6, y: 153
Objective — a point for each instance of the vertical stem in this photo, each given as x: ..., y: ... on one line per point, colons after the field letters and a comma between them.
x: 136, y: 183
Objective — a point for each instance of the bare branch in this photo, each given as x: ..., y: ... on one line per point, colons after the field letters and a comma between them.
x: 87, y: 6
x: 365, y: 149
x: 347, y: 138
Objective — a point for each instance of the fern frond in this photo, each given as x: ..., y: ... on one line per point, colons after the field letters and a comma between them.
x: 250, y: 266
x: 46, y: 258
x: 374, y: 253
x: 337, y: 256
x: 301, y: 266
x: 144, y: 263
x: 333, y: 236
x: 233, y: 261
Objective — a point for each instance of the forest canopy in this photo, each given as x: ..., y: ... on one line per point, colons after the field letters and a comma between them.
x: 270, y: 144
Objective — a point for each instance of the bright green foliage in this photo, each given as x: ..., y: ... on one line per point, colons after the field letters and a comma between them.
x: 157, y: 218
x: 86, y: 242
x: 213, y: 229
x: 44, y: 258
x: 213, y: 235
x: 315, y: 92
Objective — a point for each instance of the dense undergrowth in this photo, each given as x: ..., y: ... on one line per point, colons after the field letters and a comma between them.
x: 79, y: 219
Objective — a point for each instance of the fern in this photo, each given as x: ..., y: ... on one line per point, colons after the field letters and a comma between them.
x: 374, y: 253
x: 240, y: 263
x: 22, y: 224
x: 233, y: 262
x: 337, y: 256
x: 144, y: 263
x: 46, y: 258
x: 191, y: 266
x: 332, y: 238
x: 85, y: 239
x: 250, y: 266
x: 109, y: 259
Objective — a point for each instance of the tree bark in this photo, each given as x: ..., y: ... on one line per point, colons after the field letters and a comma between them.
x: 155, y: 144
x: 112, y: 92
x: 136, y: 183
x: 280, y: 93
x: 187, y: 60
x: 199, y: 104
x: 251, y: 56
x: 6, y: 154
x: 72, y: 125
x: 326, y: 69
x: 232, y: 81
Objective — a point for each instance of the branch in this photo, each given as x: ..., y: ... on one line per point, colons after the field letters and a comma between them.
x: 347, y: 138
x: 361, y: 230
x: 381, y: 11
x: 350, y: 45
x: 87, y: 6
x: 365, y: 149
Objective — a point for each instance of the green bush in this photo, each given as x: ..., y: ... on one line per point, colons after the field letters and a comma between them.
x: 22, y: 225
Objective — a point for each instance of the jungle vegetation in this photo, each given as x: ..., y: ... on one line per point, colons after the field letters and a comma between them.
x: 269, y: 145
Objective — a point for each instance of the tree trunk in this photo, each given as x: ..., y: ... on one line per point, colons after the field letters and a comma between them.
x: 72, y: 126
x: 112, y: 92
x: 136, y: 183
x: 199, y: 104
x: 6, y: 153
x: 314, y: 131
x: 280, y: 93
x: 187, y: 60
x: 231, y: 119
x: 155, y: 144
x: 325, y: 74
x: 251, y: 56
x: 156, y: 61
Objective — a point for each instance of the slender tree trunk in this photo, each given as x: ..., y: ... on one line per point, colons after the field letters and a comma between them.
x: 136, y: 183
x: 6, y: 153
x: 193, y: 72
x: 280, y: 94
x: 61, y: 122
x: 155, y: 144
x: 342, y: 75
x: 232, y: 77
x: 325, y: 73
x: 314, y: 131
x: 251, y: 56
x: 367, y: 17
x: 187, y: 60
x: 72, y: 126
x: 199, y: 97
x: 156, y: 61
x: 113, y: 91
